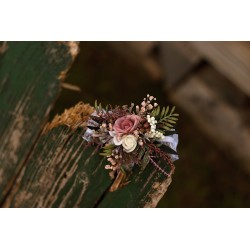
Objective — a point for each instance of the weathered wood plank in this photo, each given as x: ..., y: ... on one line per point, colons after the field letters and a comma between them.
x: 231, y: 58
x: 30, y: 74
x: 223, y: 122
x: 56, y: 169
x: 146, y: 189
x: 62, y: 172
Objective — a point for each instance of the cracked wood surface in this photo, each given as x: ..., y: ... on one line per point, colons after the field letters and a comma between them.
x: 30, y: 74
x: 63, y: 172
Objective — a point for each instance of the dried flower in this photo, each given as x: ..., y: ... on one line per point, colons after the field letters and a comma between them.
x: 150, y: 106
x: 143, y: 109
x: 126, y: 124
x: 129, y: 143
x: 119, y: 131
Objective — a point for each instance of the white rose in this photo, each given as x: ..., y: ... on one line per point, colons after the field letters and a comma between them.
x: 129, y: 143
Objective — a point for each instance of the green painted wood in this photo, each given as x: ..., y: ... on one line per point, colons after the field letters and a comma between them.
x: 146, y: 188
x: 62, y: 172
x: 30, y: 75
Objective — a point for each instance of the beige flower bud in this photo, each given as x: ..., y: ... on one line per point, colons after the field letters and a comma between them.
x: 150, y: 106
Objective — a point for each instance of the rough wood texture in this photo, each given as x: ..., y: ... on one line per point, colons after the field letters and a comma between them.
x: 145, y: 190
x: 60, y: 173
x: 230, y: 58
x: 30, y: 74
x: 63, y: 172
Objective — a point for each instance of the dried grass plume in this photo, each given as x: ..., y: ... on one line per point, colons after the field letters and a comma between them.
x: 74, y: 117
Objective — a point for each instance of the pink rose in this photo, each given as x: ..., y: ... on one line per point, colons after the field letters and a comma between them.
x: 126, y: 124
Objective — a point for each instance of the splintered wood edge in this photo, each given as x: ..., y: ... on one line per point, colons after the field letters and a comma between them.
x: 3, y: 47
x: 73, y: 50
x: 158, y: 190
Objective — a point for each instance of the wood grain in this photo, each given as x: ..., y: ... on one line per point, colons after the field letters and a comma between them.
x: 30, y: 74
x: 63, y: 172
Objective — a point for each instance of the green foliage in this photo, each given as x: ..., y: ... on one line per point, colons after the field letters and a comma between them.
x: 166, y: 118
x: 99, y: 108
x: 107, y: 150
x: 156, y: 111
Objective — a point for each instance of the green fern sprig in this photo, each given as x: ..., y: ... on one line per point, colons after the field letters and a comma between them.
x: 166, y: 118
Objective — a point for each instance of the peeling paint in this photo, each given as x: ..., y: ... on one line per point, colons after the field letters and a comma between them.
x: 149, y: 178
x: 82, y: 180
x: 21, y: 126
x: 15, y: 139
x: 73, y: 50
x: 1, y: 174
x: 3, y: 47
x: 158, y: 190
x: 69, y: 169
x: 23, y: 196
